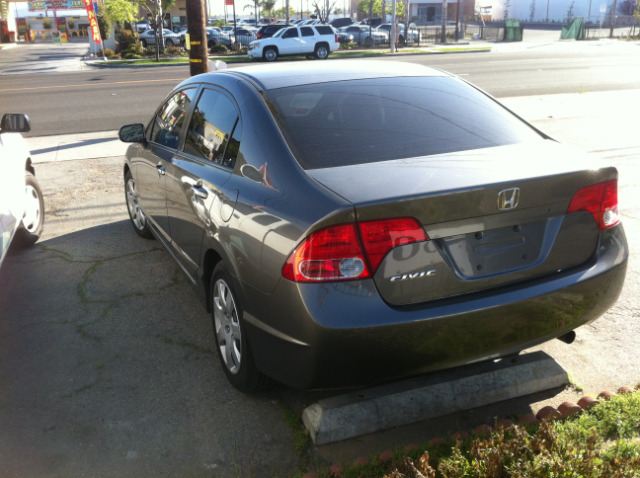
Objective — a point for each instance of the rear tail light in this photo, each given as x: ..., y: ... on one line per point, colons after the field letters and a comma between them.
x: 349, y: 251
x: 601, y: 200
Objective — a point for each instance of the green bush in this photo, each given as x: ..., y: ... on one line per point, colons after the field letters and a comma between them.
x: 46, y: 24
x: 173, y: 51
x: 126, y: 40
x: 132, y: 56
x: 219, y: 49
x: 110, y: 54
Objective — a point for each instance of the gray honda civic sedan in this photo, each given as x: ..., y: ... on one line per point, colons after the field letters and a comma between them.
x: 356, y: 221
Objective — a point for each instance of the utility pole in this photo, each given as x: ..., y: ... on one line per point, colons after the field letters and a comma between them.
x: 613, y: 17
x: 196, y: 27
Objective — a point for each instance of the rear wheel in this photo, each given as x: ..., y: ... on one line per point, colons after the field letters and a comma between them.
x: 137, y: 217
x: 169, y: 42
x: 321, y: 52
x: 33, y: 221
x: 270, y: 54
x: 230, y: 334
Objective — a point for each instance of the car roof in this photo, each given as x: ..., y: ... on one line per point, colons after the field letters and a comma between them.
x: 287, y: 74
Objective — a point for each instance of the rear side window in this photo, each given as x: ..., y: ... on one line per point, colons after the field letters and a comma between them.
x: 306, y: 31
x: 366, y: 121
x: 211, y: 132
x: 324, y: 30
x: 168, y: 122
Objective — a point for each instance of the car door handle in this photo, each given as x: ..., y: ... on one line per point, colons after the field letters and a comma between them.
x: 196, y: 186
x: 161, y: 170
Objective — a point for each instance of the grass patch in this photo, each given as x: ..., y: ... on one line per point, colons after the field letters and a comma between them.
x: 601, y: 442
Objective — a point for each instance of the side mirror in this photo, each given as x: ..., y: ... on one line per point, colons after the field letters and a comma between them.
x: 132, y: 133
x: 15, y: 123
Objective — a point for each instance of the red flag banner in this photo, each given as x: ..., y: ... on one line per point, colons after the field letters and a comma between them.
x: 93, y: 22
x: 228, y: 2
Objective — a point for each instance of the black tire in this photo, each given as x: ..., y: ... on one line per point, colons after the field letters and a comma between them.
x: 168, y: 42
x: 368, y: 42
x: 32, y: 223
x: 322, y: 51
x: 136, y: 215
x: 402, y: 41
x: 270, y: 54
x: 230, y: 334
x: 144, y: 43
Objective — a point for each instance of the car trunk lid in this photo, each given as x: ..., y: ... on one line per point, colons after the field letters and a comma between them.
x: 493, y: 217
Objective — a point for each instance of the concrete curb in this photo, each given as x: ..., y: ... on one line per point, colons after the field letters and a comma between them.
x: 380, y: 408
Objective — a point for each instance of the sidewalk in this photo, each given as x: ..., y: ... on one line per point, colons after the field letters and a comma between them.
x: 67, y: 147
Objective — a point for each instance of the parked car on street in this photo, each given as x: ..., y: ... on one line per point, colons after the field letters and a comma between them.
x: 243, y: 36
x: 21, y: 201
x: 366, y: 36
x: 311, y: 40
x: 412, y: 37
x: 141, y: 26
x: 340, y: 22
x: 215, y: 36
x: 170, y: 38
x: 356, y: 221
x: 267, y: 31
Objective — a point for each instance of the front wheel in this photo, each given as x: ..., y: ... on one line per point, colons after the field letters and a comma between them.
x: 33, y: 220
x: 270, y: 54
x: 368, y: 42
x: 230, y: 334
x: 321, y: 52
x: 168, y: 42
x: 137, y: 217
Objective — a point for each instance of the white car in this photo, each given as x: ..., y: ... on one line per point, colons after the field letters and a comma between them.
x: 21, y: 202
x: 310, y: 40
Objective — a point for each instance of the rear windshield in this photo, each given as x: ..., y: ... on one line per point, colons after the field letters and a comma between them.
x: 366, y: 121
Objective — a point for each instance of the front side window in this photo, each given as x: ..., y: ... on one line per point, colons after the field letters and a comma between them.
x: 168, y: 122
x: 291, y: 33
x: 211, y: 133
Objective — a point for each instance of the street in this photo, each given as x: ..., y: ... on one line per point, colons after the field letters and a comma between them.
x: 106, y: 358
x: 102, y: 99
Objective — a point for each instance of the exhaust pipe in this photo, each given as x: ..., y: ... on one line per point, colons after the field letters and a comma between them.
x: 568, y: 338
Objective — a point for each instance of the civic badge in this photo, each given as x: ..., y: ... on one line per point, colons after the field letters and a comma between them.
x: 508, y: 199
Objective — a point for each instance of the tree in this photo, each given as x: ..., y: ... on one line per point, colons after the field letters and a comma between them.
x: 629, y: 7
x: 323, y: 9
x: 156, y: 9
x: 532, y: 10
x: 570, y: 12
x: 119, y: 11
x: 4, y: 9
x: 374, y: 7
x: 507, y: 7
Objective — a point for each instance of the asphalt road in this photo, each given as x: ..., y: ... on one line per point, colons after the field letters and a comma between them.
x: 106, y: 359
x: 101, y: 99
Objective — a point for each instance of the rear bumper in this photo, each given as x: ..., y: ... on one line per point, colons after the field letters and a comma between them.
x: 344, y: 334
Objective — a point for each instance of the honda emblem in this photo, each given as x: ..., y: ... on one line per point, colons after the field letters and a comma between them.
x: 508, y: 199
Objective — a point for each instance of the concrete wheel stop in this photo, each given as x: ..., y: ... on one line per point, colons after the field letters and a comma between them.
x: 380, y: 408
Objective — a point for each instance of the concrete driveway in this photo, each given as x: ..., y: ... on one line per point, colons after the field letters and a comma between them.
x: 107, y: 366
